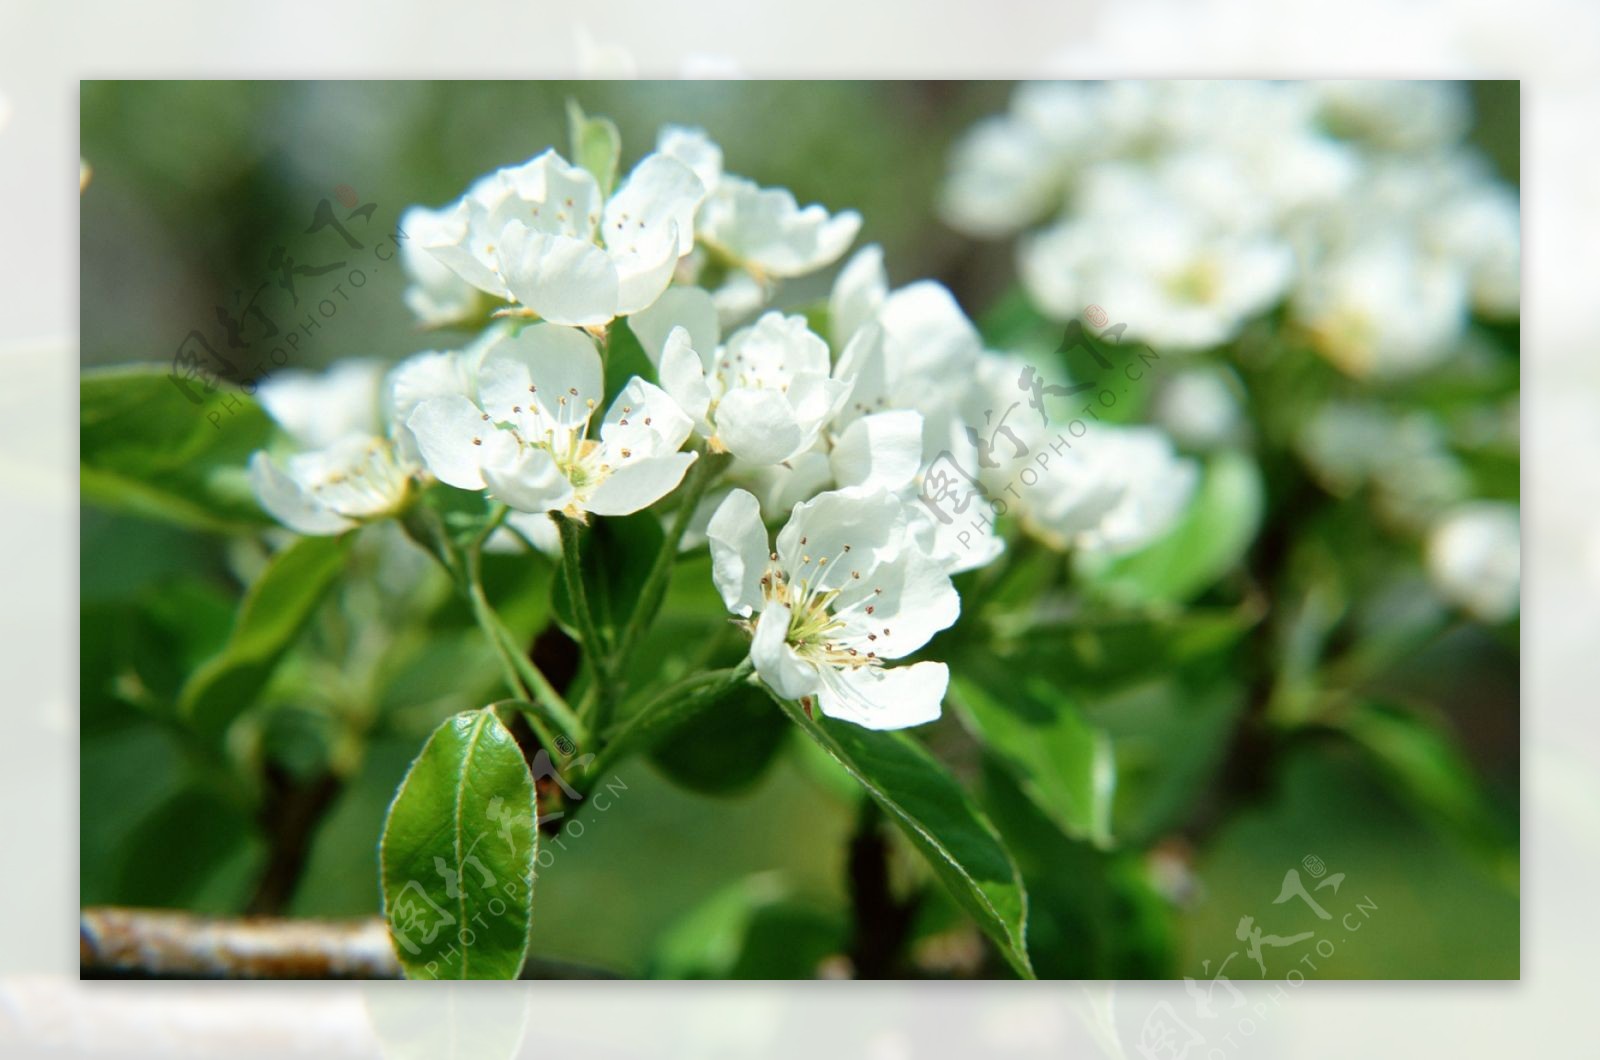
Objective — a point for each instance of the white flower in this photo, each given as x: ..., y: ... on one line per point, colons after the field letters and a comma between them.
x: 1396, y: 115
x: 318, y: 409
x: 912, y: 348
x: 526, y: 436
x: 1179, y: 281
x: 435, y: 373
x: 762, y: 230
x: 330, y: 490
x: 1383, y: 308
x: 1199, y: 407
x: 1406, y: 459
x: 1475, y: 558
x: 844, y: 591
x: 1113, y: 490
x: 1001, y: 179
x: 437, y: 294
x: 763, y: 396
x: 539, y: 234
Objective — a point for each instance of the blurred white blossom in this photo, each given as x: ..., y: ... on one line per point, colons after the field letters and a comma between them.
x: 1475, y: 558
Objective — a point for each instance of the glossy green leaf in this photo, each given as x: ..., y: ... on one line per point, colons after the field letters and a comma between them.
x: 146, y: 448
x: 1209, y: 540
x: 1061, y: 762
x: 939, y: 818
x: 596, y: 145
x: 458, y: 854
x: 272, y: 615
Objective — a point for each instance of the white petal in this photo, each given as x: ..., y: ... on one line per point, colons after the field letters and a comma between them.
x: 444, y: 428
x: 523, y: 476
x: 759, y: 426
x: 638, y: 483
x: 318, y: 408
x: 655, y: 424
x: 291, y: 505
x: 776, y: 663
x: 911, y: 598
x: 860, y: 289
x: 881, y: 451
x: 683, y: 376
x: 560, y: 363
x: 839, y: 534
x: 815, y: 400
x: 766, y: 229
x: 925, y: 330
x: 537, y: 528
x: 423, y: 376
x: 885, y: 698
x: 694, y: 149
x: 564, y: 280
x: 567, y: 197
x: 644, y: 269
x: 455, y: 243
x: 687, y: 307
x: 738, y: 551
x: 659, y: 197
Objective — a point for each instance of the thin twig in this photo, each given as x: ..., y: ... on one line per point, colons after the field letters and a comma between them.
x: 117, y: 942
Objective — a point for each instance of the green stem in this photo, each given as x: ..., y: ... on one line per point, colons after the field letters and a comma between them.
x: 527, y: 682
x: 464, y: 566
x: 666, y: 711
x: 594, y: 649
x: 701, y: 476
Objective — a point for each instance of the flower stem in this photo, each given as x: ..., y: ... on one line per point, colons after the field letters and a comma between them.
x: 660, y: 715
x: 527, y: 682
x: 464, y: 565
x: 595, y: 652
x: 701, y: 475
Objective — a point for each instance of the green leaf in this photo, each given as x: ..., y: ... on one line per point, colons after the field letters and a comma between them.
x: 941, y: 821
x: 625, y: 358
x: 1430, y: 771
x: 195, y: 851
x: 1209, y: 540
x: 1115, y: 650
x: 617, y: 554
x: 754, y: 928
x: 1092, y: 913
x: 1061, y: 762
x: 726, y: 747
x: 458, y: 852
x: 272, y: 615
x: 146, y: 448
x: 596, y: 145
x: 1169, y: 736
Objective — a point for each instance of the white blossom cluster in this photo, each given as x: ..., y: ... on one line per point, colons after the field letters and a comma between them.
x: 825, y: 430
x: 1193, y: 207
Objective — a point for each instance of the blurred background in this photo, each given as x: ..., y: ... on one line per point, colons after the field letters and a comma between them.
x: 199, y: 194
